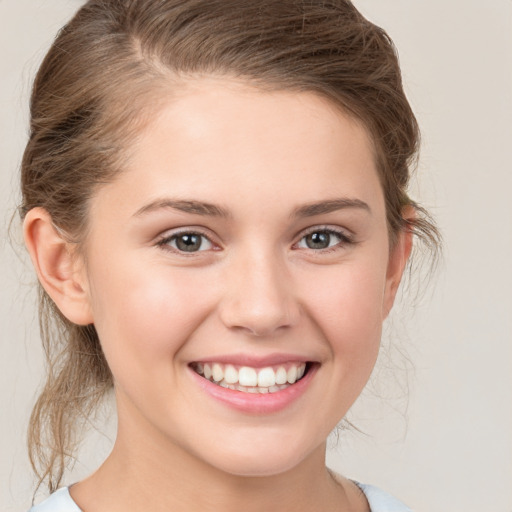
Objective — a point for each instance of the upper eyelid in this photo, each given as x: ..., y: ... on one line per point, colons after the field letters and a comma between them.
x: 170, y: 234
x: 165, y: 237
x: 164, y: 244
x: 206, y: 232
x: 324, y: 227
x: 332, y: 229
x: 345, y: 236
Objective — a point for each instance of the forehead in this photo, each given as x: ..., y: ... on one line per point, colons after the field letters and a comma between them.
x: 201, y: 108
x: 216, y: 137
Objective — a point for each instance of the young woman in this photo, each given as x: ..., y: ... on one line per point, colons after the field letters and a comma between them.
x: 214, y: 200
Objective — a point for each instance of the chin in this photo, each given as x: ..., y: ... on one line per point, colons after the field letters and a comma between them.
x: 258, y: 461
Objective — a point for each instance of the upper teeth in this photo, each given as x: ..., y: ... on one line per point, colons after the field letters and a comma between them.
x: 251, y: 377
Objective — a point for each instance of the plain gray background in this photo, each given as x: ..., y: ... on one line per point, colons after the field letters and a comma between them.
x: 450, y: 447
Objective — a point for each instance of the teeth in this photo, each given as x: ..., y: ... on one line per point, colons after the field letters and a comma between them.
x: 251, y: 380
x: 281, y: 376
x: 266, y: 378
x: 247, y: 376
x: 292, y: 374
x: 217, y: 373
x: 230, y: 374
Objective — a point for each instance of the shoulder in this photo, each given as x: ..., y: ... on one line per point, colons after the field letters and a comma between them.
x: 381, y: 501
x: 59, y: 501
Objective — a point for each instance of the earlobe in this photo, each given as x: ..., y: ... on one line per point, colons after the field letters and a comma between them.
x: 56, y: 266
x: 399, y: 256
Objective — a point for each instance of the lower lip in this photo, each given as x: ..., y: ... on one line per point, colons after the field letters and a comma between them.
x: 257, y: 403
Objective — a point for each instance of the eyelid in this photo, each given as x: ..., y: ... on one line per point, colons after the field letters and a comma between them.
x: 346, y: 236
x: 329, y: 228
x: 163, y: 240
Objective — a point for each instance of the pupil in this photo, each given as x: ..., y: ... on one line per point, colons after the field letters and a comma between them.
x: 318, y: 240
x: 188, y: 243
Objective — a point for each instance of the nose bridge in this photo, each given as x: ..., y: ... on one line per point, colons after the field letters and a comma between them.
x: 259, y: 295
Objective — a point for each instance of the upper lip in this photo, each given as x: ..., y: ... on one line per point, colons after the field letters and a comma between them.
x: 255, y: 361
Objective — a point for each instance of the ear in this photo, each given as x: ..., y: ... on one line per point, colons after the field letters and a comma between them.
x: 398, y: 258
x: 57, y: 266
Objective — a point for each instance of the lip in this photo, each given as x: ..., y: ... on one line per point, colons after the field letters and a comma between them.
x: 255, y: 361
x: 256, y: 403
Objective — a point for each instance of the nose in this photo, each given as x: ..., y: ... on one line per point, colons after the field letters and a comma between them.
x: 258, y: 295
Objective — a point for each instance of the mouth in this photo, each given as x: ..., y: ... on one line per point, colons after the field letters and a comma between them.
x: 247, y: 379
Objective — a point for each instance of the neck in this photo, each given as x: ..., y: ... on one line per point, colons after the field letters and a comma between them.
x: 181, y: 483
x: 148, y: 470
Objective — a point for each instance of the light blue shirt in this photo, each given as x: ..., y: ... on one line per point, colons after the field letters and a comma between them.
x: 380, y: 501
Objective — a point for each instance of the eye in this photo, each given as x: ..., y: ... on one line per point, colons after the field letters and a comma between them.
x: 186, y: 242
x: 322, y: 239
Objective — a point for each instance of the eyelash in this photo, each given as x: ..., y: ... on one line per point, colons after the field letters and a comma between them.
x: 345, y: 239
x: 166, y: 240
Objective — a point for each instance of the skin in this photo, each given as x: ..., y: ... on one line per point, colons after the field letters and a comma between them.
x: 255, y: 289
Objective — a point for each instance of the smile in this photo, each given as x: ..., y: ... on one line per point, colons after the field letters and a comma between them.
x: 246, y: 379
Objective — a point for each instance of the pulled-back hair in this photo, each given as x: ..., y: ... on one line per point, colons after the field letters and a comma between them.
x: 100, y: 82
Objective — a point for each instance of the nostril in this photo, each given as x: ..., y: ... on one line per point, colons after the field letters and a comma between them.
x: 260, y: 301
x: 259, y: 322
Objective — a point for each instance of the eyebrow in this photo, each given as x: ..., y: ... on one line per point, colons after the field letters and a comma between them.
x: 329, y: 206
x: 187, y: 206
x: 212, y: 210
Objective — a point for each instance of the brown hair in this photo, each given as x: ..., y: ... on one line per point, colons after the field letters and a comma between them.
x: 93, y: 91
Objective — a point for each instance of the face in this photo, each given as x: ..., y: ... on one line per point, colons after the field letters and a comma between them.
x: 238, y: 274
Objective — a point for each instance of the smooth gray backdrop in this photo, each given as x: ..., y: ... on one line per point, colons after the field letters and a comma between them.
x: 450, y: 449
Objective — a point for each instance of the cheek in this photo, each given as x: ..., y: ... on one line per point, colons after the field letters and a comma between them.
x: 347, y: 303
x: 144, y: 314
